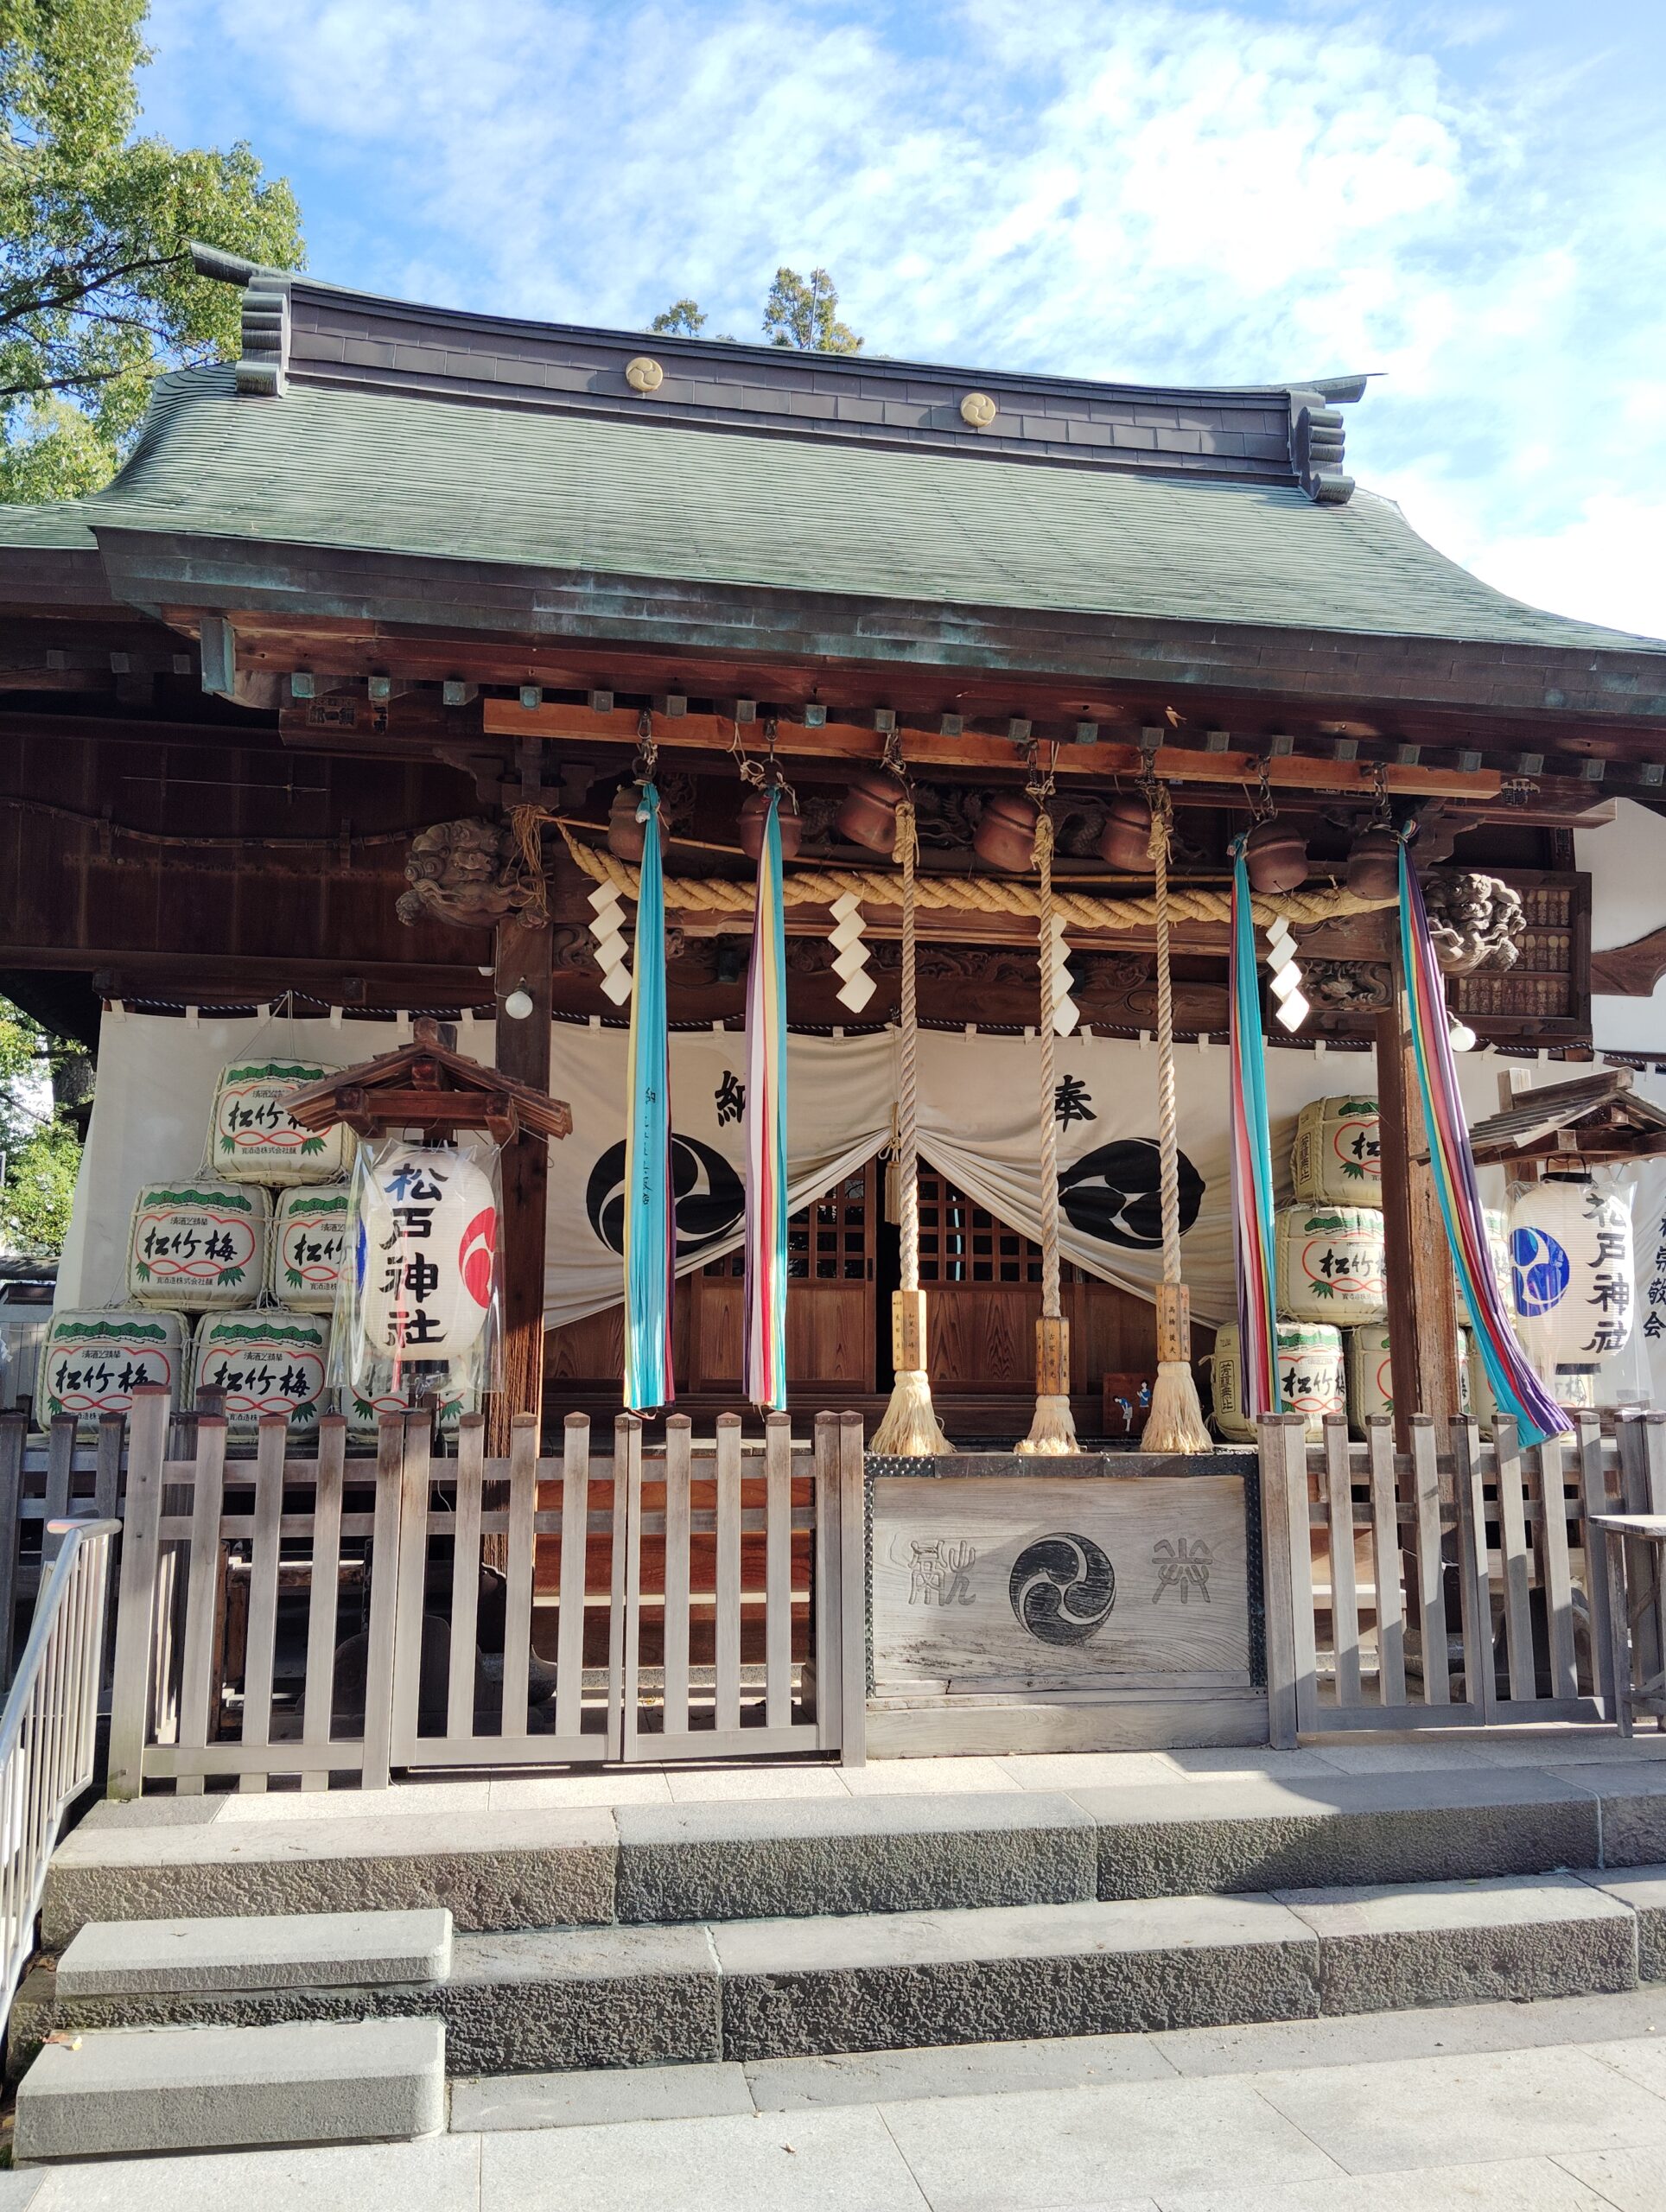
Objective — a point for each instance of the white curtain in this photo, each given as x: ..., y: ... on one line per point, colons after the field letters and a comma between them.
x: 980, y: 1113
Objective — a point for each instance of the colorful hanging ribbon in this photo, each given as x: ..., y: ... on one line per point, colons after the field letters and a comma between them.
x: 1252, y: 1160
x: 1517, y: 1391
x: 649, y: 1205
x: 765, y: 1110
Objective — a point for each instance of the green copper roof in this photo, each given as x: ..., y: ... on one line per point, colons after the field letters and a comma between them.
x: 531, y: 487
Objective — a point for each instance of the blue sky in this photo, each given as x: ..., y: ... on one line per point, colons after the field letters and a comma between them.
x: 1469, y: 198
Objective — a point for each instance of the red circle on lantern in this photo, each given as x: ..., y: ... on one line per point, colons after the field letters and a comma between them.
x: 475, y: 1253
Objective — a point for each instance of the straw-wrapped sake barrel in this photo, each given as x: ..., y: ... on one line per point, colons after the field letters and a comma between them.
x: 93, y: 1363
x: 1337, y: 1159
x: 1575, y: 1393
x: 375, y: 1395
x: 255, y: 1140
x: 310, y: 1245
x: 198, y: 1243
x: 1330, y: 1265
x: 265, y: 1361
x: 1371, y: 1380
x: 1309, y: 1378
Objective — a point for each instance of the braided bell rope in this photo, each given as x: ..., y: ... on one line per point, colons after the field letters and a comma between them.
x: 1052, y: 1310
x: 1167, y: 1129
x: 907, y: 1078
x: 962, y: 894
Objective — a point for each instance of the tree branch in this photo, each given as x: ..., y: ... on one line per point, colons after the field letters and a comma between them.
x: 93, y: 283
x: 63, y: 384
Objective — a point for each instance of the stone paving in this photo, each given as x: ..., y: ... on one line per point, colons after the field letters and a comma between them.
x: 1558, y: 2107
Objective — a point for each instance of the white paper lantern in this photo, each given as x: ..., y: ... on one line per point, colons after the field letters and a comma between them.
x: 309, y: 1246
x: 197, y: 1244
x: 254, y: 1140
x: 1331, y: 1265
x: 93, y: 1363
x: 266, y: 1361
x: 427, y: 1241
x: 375, y: 1392
x: 1309, y: 1379
x: 1573, y: 1276
x: 1337, y: 1157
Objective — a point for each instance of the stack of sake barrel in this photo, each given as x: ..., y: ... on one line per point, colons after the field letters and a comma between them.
x: 1330, y: 1280
x: 231, y: 1274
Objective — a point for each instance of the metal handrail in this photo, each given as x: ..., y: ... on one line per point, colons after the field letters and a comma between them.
x: 49, y: 1729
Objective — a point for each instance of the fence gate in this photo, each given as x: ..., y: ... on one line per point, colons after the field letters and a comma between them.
x: 320, y: 1616
x: 1437, y: 1588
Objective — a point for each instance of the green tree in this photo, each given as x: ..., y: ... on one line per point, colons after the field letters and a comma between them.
x: 98, y: 294
x: 682, y: 319
x: 42, y: 1077
x: 797, y: 314
x: 806, y: 315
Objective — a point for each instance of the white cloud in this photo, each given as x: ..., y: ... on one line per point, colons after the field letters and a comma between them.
x: 1141, y: 188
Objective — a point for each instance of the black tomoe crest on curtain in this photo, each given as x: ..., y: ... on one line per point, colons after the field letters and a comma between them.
x: 1113, y: 1194
x: 708, y: 1195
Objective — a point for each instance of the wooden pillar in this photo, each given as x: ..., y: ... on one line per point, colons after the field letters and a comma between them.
x: 1422, y: 1288
x: 523, y: 1051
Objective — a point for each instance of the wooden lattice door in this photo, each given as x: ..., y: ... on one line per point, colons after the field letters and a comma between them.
x: 982, y: 1282
x: 830, y: 1299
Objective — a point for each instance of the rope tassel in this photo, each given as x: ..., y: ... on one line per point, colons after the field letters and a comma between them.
x: 1052, y: 1430
x: 909, y: 1430
x: 1175, y: 1422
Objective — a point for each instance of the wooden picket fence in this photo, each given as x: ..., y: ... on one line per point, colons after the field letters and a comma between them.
x: 1435, y: 1588
x: 325, y: 1617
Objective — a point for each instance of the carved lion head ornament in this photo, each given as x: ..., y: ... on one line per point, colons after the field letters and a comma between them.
x: 1477, y: 922
x: 466, y: 873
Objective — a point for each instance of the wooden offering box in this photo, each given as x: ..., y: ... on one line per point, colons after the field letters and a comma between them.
x: 1087, y: 1603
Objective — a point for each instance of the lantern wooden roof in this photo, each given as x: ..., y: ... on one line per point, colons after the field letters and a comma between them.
x: 1599, y: 1117
x: 426, y: 1085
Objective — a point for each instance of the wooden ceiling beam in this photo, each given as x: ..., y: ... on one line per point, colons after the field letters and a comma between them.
x: 845, y: 741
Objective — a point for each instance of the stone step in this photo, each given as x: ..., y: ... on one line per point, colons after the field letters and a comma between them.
x: 569, y: 1998
x: 512, y: 2001
x: 208, y: 1857
x: 205, y: 1859
x: 119, y: 1958
x: 794, y: 1988
x: 218, y: 2088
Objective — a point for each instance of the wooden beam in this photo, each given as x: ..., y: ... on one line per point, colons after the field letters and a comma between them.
x: 123, y: 972
x: 842, y: 740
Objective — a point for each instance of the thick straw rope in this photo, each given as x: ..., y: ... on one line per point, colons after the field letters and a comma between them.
x: 966, y: 895
x: 1175, y: 1422
x: 907, y: 1055
x: 910, y: 1428
x: 1052, y: 1431
x: 1167, y: 1133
